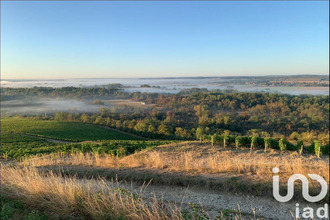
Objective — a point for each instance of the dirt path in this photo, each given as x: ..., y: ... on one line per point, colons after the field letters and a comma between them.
x: 213, y: 202
x: 186, y: 192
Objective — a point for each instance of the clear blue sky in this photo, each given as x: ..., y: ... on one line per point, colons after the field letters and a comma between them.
x: 154, y: 39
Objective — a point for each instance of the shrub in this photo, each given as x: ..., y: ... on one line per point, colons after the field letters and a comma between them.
x: 238, y: 141
x: 253, y: 142
x: 317, y: 148
x: 257, y: 142
x: 225, y: 140
x: 286, y: 145
x: 267, y: 143
x: 217, y: 138
x: 274, y: 143
x: 300, y: 146
x: 282, y: 144
x: 291, y: 146
x: 206, y: 137
x: 231, y: 139
x: 242, y: 141
x: 325, y: 149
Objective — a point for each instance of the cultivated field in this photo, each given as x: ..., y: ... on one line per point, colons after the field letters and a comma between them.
x: 51, y: 171
x: 70, y: 131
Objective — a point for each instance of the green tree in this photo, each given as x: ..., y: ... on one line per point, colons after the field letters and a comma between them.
x: 85, y: 118
x: 98, y: 120
x: 200, y: 131
x: 61, y: 116
x: 164, y: 129
x: 104, y: 111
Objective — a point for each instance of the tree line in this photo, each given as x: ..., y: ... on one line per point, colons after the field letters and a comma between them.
x: 183, y: 115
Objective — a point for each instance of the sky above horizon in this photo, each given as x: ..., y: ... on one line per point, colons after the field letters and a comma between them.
x: 85, y: 39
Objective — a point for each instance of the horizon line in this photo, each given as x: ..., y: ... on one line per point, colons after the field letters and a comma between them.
x: 167, y: 77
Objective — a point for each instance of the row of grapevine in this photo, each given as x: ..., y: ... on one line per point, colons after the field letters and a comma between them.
x: 255, y: 142
x: 115, y: 148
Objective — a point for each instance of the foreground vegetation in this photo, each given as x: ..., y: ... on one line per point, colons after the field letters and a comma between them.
x: 252, y: 170
x: 72, y: 198
x: 69, y: 197
x: 11, y: 209
x: 81, y: 185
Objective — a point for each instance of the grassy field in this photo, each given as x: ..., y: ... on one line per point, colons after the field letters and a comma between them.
x: 195, y: 158
x: 70, y: 131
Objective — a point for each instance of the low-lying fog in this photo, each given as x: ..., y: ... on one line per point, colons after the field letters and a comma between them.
x: 33, y: 106
x: 166, y: 85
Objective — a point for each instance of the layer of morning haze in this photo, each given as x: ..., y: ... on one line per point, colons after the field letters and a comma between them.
x: 43, y: 39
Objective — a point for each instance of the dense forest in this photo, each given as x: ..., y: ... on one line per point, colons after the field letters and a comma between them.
x: 187, y: 114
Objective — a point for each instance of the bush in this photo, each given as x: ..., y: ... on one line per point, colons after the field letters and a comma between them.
x: 225, y: 140
x: 286, y: 145
x: 325, y: 149
x: 242, y: 141
x: 267, y: 143
x: 274, y: 144
x: 300, y: 146
x: 317, y: 148
x: 218, y: 139
x: 206, y: 137
x: 291, y: 146
x: 231, y: 139
x: 283, y: 144
x: 257, y: 142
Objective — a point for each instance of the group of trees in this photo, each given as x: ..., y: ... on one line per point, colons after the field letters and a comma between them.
x: 183, y: 115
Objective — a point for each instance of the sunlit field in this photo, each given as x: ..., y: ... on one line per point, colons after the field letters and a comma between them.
x: 68, y: 131
x: 164, y: 110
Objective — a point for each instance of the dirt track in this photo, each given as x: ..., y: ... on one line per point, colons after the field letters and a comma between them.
x: 212, y: 201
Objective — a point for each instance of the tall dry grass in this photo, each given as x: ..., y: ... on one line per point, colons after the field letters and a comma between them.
x: 82, y: 199
x: 68, y: 197
x: 253, y: 163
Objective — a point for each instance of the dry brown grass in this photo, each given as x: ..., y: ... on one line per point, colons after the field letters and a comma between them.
x: 82, y: 199
x: 68, y: 197
x: 205, y: 159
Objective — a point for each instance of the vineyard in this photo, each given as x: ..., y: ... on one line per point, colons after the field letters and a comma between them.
x: 70, y: 131
x: 15, y: 142
x: 85, y: 138
x: 267, y: 143
x: 15, y: 146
